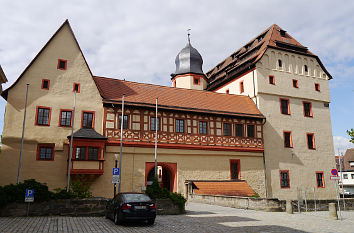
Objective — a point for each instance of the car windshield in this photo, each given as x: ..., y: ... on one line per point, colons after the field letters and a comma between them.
x: 136, y: 197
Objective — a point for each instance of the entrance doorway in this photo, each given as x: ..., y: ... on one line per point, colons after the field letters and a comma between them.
x: 167, y: 175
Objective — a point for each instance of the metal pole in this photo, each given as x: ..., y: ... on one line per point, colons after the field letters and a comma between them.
x: 336, y: 187
x: 341, y: 179
x: 115, y: 185
x: 156, y: 125
x: 71, y: 146
x: 23, y: 136
x: 298, y: 200
x: 121, y: 146
x: 314, y: 197
x: 305, y: 201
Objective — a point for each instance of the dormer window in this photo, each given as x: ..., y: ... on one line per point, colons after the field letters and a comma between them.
x: 196, y: 81
x: 280, y: 63
x: 62, y: 64
x: 282, y: 33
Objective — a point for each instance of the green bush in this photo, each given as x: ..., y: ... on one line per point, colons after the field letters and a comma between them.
x: 62, y: 194
x: 179, y: 200
x: 80, y: 189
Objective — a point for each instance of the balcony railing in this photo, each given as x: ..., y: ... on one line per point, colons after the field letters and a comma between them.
x: 87, y: 167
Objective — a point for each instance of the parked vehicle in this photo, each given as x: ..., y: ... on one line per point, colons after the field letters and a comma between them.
x: 131, y: 207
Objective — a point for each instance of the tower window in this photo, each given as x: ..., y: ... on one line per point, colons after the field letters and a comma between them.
x: 284, y: 179
x: 271, y: 79
x: 196, y: 80
x: 284, y: 106
x: 62, y: 64
x: 317, y: 86
x: 320, y: 180
x: 288, y: 142
x: 307, y: 109
x: 311, y: 141
x: 241, y: 87
x: 45, y: 84
x: 280, y: 63
x: 295, y: 83
x: 306, y: 69
x: 76, y: 88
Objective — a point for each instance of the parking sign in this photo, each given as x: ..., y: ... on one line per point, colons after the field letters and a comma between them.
x: 116, y: 171
x: 29, y: 196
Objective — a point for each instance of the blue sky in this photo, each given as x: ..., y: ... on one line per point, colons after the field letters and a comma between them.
x: 138, y: 40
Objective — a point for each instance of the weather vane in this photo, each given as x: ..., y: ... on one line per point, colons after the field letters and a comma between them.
x: 189, y: 41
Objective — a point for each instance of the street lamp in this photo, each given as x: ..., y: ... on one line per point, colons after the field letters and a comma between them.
x: 116, y: 165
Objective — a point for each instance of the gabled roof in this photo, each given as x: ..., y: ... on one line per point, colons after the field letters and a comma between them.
x: 66, y: 22
x: 246, y: 57
x: 84, y: 133
x: 141, y: 94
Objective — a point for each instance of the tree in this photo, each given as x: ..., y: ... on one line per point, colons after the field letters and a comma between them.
x: 351, y: 134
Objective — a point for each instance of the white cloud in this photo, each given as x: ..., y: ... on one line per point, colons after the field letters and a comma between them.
x: 341, y: 144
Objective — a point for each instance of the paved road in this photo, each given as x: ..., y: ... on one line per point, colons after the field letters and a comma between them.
x: 199, y: 218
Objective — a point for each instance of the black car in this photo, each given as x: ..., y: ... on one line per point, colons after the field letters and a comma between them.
x: 131, y: 207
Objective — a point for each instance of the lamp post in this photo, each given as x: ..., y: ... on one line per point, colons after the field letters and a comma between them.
x: 116, y: 165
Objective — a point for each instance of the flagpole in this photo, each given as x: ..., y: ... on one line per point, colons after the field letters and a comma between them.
x: 156, y: 125
x: 121, y: 145
x: 71, y: 145
x: 22, y: 140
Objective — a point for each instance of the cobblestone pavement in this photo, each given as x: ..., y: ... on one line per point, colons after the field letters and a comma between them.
x: 199, y: 218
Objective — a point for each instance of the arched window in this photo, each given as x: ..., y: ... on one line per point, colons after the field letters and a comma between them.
x: 280, y: 63
x: 306, y: 69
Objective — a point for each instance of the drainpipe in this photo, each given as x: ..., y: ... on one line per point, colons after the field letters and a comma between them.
x: 254, y: 89
x: 265, y: 168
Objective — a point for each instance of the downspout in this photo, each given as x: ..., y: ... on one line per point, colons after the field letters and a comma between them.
x: 265, y: 168
x: 254, y: 89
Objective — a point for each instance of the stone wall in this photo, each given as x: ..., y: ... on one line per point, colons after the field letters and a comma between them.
x: 76, y: 207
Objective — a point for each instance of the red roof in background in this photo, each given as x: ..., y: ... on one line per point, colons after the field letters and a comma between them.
x: 142, y: 94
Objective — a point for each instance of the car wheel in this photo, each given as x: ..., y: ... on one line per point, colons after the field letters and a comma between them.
x: 117, y: 219
x: 151, y: 221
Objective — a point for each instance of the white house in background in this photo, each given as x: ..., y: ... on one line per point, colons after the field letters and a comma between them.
x: 347, y: 173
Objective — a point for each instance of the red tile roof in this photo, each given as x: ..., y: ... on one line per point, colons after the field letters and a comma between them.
x: 142, y: 94
x: 246, y: 57
x: 228, y: 188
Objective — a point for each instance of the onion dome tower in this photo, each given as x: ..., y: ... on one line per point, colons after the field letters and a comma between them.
x: 189, y: 72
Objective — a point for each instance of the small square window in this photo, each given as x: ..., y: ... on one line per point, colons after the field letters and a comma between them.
x: 45, y: 152
x: 62, y: 64
x: 65, y: 118
x: 345, y: 176
x: 295, y: 83
x: 282, y: 33
x: 196, y: 80
x: 76, y: 88
x: 271, y: 79
x: 87, y: 119
x: 242, y: 89
x: 43, y: 116
x: 317, y: 87
x: 45, y: 84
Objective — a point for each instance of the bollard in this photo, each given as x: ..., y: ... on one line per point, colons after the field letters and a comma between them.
x: 289, y: 207
x: 332, y: 209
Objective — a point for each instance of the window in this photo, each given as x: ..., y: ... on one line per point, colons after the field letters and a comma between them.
x: 155, y: 122
x: 76, y: 87
x: 45, y: 84
x: 307, y: 109
x: 317, y: 87
x: 352, y: 176
x: 45, y: 151
x: 282, y: 33
x: 280, y: 63
x: 311, y: 141
x: 65, y: 118
x: 234, y: 169
x: 87, y: 119
x: 202, y: 127
x: 306, y: 69
x: 345, y: 176
x: 125, y: 122
x: 227, y: 91
x: 320, y: 180
x: 179, y: 126
x: 241, y: 87
x: 43, y: 116
x: 62, y: 64
x: 80, y: 153
x: 227, y: 129
x: 250, y: 131
x: 92, y: 153
x: 295, y: 83
x: 196, y: 80
x: 284, y: 106
x: 239, y: 130
x: 288, y: 141
x: 271, y: 79
x: 284, y: 179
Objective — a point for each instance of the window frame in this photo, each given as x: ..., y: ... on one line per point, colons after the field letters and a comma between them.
x: 303, y: 104
x: 60, y: 117
x: 120, y: 115
x: 242, y: 87
x: 317, y: 87
x: 49, y: 116
x: 323, y: 180
x: 93, y: 119
x: 196, y: 79
x: 313, y: 141
x: 345, y: 176
x: 46, y: 145
x: 254, y: 130
x: 290, y: 139
x: 288, y: 105
x: 45, y: 80
x: 271, y: 79
x: 62, y: 60
x: 206, y: 127
x: 243, y: 130
x: 159, y: 123
x: 285, y: 171
x: 223, y: 129
x: 78, y: 91
x: 178, y: 131
x: 238, y: 162
x: 86, y: 157
x: 295, y: 83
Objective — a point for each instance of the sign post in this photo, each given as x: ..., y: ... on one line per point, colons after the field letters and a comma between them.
x: 335, y: 177
x: 29, y: 197
x: 115, y: 175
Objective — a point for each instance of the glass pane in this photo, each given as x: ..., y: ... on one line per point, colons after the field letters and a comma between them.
x: 93, y: 153
x: 132, y: 197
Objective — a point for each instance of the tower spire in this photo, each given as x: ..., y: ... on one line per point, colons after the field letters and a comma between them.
x: 188, y: 34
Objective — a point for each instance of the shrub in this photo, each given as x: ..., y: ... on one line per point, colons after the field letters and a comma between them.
x: 62, y: 194
x: 80, y: 189
x: 179, y: 200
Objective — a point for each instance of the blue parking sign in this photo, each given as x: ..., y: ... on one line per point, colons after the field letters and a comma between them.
x: 116, y: 171
x: 29, y: 195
